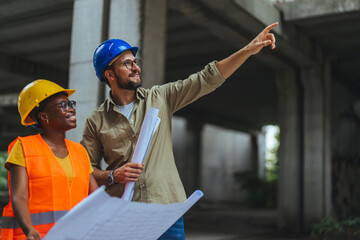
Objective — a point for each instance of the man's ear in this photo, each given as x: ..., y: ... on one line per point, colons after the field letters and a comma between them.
x: 109, y: 74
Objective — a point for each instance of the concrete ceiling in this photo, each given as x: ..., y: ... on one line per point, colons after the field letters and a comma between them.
x: 35, y: 41
x: 36, y: 35
x: 339, y: 37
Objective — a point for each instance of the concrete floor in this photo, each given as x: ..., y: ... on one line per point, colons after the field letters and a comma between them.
x: 226, y: 223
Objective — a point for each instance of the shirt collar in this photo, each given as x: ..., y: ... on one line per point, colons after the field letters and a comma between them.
x: 140, y: 94
x: 110, y: 101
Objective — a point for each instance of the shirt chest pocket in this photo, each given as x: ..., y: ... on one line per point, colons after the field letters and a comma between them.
x: 118, y: 142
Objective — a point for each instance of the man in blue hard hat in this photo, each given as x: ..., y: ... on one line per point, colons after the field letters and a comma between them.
x: 111, y: 131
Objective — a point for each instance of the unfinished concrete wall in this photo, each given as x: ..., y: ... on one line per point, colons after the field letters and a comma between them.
x: 345, y: 150
x: 225, y: 153
x: 346, y: 116
x: 208, y: 157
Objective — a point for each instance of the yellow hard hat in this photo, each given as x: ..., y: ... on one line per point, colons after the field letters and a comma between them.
x: 34, y: 93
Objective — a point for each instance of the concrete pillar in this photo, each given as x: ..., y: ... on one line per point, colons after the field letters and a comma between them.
x: 154, y: 43
x: 179, y: 140
x: 289, y: 194
x: 260, y: 143
x: 87, y: 34
x: 316, y: 145
x: 191, y: 172
x: 187, y: 145
x: 327, y: 138
x: 125, y: 21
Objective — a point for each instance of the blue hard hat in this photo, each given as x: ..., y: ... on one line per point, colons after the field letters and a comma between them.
x: 107, y: 51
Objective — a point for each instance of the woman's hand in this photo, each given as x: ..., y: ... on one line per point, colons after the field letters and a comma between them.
x: 33, y: 234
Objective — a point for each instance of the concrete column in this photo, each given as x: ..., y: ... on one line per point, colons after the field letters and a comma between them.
x: 186, y: 137
x: 327, y: 138
x: 316, y: 152
x: 187, y: 145
x: 179, y: 140
x: 87, y: 34
x: 125, y: 21
x: 143, y: 26
x: 289, y: 194
x: 260, y: 143
x: 192, y: 172
x: 154, y: 43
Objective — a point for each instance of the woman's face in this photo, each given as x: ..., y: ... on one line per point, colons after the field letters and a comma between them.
x: 60, y: 114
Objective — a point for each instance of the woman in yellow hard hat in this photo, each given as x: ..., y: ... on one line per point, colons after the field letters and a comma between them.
x: 48, y: 174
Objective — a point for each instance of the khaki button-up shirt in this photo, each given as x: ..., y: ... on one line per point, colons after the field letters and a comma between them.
x: 110, y: 135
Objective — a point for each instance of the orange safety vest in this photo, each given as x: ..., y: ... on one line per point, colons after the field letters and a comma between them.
x: 50, y: 194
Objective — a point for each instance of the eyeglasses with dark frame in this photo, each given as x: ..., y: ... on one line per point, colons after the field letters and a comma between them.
x: 64, y: 105
x: 130, y: 64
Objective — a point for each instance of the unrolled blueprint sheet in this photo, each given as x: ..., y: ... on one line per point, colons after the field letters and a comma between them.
x: 101, y: 216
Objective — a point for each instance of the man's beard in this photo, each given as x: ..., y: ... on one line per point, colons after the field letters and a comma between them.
x: 129, y: 85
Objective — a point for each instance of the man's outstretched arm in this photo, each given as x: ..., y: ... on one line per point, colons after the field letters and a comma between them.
x: 229, y: 65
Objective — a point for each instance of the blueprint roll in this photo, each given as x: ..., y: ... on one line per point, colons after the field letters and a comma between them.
x: 150, y: 124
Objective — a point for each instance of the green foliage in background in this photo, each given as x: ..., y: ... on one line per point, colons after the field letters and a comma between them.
x: 272, y: 159
x: 330, y: 229
x: 262, y: 192
x: 3, y: 172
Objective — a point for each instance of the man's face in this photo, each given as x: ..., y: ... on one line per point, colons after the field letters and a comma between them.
x: 127, y: 78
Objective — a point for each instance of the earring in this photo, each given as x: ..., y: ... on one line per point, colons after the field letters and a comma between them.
x: 47, y: 120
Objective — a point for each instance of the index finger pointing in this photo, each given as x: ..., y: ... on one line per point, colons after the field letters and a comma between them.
x: 271, y: 26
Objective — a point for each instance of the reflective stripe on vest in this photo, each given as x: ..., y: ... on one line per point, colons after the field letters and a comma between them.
x: 36, y: 218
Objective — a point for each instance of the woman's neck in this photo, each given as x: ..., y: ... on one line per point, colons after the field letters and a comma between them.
x: 56, y: 142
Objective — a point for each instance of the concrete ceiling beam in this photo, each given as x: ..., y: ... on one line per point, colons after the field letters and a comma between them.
x: 234, y: 23
x: 29, y: 70
x: 306, y: 9
x: 19, y: 10
x: 35, y: 29
x: 8, y: 99
x: 293, y: 45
